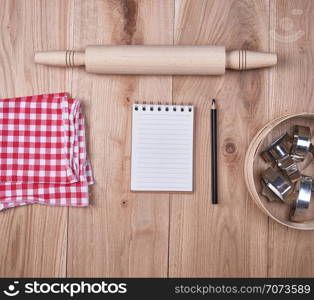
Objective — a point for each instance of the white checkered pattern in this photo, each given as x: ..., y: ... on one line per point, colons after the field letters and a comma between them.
x: 42, y: 152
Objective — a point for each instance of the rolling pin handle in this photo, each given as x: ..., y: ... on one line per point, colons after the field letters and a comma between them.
x: 246, y: 60
x: 66, y: 58
x: 167, y: 60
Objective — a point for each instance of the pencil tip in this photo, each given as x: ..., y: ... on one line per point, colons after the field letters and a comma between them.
x: 213, y: 104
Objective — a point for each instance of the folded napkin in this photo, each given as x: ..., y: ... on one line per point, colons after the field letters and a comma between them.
x: 43, y: 152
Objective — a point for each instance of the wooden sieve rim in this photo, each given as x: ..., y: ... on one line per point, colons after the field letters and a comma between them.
x: 251, y: 154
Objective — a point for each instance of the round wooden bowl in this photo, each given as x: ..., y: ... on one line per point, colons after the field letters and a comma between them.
x: 254, y: 165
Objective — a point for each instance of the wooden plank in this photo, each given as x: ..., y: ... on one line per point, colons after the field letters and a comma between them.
x: 291, y: 251
x: 33, y: 237
x: 229, y: 239
x: 127, y: 234
x: 122, y: 234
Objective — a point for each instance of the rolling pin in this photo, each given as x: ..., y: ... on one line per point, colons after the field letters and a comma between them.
x: 158, y: 60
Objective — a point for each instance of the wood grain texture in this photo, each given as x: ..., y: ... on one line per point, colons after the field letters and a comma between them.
x: 123, y: 233
x: 291, y: 253
x: 34, y: 238
x: 150, y: 234
x: 229, y: 239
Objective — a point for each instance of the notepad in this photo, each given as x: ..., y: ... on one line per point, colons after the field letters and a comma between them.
x: 162, y: 148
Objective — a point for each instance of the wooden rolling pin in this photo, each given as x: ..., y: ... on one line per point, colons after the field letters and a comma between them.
x: 158, y: 60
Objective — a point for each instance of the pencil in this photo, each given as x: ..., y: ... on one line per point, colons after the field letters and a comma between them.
x: 214, y: 179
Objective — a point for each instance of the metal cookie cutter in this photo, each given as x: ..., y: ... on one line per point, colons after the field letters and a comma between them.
x: 301, y: 143
x: 276, y: 185
x: 303, y: 200
x: 279, y: 151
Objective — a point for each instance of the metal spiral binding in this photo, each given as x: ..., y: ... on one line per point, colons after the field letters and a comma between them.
x: 151, y: 108
x: 190, y: 106
x: 168, y: 107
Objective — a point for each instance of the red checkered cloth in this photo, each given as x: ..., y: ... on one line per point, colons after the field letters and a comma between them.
x: 43, y: 152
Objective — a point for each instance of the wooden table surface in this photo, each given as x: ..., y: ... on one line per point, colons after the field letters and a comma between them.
x: 150, y: 234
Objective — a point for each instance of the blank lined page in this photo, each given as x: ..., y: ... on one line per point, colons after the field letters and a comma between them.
x: 162, y: 148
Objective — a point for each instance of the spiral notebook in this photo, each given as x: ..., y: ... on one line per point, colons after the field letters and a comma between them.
x: 162, y: 148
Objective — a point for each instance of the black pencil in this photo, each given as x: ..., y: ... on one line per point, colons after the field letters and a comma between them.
x: 214, y: 179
